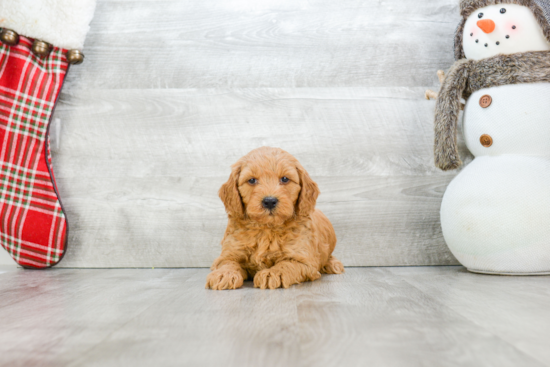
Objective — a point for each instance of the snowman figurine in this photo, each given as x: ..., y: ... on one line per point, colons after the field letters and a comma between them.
x: 495, y: 215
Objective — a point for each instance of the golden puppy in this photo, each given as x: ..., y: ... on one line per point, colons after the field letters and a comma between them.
x: 274, y: 235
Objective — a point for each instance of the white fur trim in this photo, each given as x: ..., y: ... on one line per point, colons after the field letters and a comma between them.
x: 63, y: 23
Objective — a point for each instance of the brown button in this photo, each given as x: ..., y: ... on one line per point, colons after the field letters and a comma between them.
x: 486, y: 140
x: 485, y: 101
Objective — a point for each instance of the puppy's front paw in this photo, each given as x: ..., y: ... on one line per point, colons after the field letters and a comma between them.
x: 221, y: 279
x: 268, y: 279
x: 273, y: 279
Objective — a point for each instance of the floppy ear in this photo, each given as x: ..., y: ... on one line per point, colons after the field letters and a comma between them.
x: 305, y: 205
x: 229, y: 193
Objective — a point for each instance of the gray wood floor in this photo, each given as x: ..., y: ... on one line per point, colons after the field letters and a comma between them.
x: 173, y: 92
x: 417, y: 316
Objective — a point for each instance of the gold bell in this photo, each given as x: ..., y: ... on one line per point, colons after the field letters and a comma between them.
x: 75, y: 57
x: 9, y: 37
x: 41, y: 48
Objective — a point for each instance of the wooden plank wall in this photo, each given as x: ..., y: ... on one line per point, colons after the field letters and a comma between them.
x: 173, y: 92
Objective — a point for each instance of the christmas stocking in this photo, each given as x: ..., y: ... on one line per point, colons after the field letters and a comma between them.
x: 40, y: 39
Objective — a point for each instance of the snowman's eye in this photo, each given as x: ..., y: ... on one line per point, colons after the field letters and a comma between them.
x: 480, y: 15
x: 502, y: 11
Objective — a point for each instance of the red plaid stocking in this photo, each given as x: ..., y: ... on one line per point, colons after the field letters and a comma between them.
x: 33, y: 228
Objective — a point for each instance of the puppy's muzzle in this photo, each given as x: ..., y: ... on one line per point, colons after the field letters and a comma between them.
x: 269, y: 202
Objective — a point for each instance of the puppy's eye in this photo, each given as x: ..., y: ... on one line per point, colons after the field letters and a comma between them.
x: 284, y: 179
x: 480, y: 15
x: 502, y: 11
x: 253, y: 181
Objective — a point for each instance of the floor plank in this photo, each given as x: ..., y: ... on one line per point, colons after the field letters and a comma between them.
x: 420, y: 316
x: 513, y: 308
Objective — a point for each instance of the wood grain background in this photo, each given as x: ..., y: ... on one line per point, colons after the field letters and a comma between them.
x: 173, y: 92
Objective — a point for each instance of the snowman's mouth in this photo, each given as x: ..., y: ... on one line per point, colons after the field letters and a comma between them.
x: 497, y: 43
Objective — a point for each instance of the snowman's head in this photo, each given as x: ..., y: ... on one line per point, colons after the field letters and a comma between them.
x: 492, y: 27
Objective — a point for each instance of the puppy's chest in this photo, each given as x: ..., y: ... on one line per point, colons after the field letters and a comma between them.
x: 267, y: 250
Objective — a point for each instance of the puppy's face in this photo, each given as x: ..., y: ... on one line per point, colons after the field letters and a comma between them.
x: 269, y: 186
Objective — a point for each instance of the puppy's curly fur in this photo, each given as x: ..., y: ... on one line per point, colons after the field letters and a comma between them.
x: 289, y: 244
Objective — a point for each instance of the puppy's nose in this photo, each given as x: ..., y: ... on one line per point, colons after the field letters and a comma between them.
x: 269, y: 202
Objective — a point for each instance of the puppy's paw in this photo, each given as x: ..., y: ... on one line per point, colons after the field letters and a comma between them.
x: 333, y: 266
x: 271, y: 279
x: 221, y: 279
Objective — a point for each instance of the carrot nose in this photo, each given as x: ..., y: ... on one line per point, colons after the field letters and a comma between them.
x: 486, y: 25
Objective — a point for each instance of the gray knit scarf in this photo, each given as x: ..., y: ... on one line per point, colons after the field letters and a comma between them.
x: 468, y: 76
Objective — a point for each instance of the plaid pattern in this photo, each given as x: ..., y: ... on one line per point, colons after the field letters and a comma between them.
x: 33, y: 227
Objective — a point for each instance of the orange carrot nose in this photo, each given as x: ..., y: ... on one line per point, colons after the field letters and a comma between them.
x: 486, y: 25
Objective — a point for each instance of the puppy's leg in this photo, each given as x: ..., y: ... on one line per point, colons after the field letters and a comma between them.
x: 284, y: 274
x: 226, y: 274
x: 333, y: 266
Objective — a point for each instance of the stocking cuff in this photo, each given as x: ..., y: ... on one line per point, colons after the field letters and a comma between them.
x: 62, y: 23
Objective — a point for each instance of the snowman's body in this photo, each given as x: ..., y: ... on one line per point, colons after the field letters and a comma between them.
x: 495, y: 214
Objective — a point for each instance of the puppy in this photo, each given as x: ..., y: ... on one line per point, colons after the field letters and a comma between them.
x: 274, y: 234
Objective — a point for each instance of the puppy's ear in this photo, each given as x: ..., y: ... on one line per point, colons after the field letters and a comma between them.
x: 305, y: 205
x: 229, y: 193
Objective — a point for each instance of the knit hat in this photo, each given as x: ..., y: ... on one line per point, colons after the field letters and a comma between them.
x: 540, y: 8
